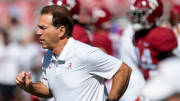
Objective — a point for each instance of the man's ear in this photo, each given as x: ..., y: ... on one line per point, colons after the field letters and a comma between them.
x: 62, y: 31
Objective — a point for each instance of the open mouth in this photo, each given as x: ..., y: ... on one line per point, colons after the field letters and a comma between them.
x: 41, y: 41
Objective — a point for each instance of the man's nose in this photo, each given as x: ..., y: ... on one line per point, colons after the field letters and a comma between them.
x: 39, y: 32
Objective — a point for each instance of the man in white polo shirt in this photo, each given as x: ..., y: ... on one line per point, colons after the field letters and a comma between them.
x: 73, y: 71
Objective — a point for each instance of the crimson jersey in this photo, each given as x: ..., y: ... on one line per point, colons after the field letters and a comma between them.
x: 101, y: 39
x: 151, y: 45
x: 79, y: 33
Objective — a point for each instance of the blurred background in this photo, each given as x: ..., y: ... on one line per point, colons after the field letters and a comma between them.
x: 107, y: 28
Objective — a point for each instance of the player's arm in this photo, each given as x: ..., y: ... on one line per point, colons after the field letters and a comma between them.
x: 120, y: 82
x: 24, y: 81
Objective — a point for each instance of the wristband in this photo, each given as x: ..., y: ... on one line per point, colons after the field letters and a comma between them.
x: 109, y: 99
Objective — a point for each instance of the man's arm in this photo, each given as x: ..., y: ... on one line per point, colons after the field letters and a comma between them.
x: 24, y: 81
x: 120, y: 82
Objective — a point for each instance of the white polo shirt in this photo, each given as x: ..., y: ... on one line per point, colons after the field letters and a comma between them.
x: 78, y: 73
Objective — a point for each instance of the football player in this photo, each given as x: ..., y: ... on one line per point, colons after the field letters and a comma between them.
x: 102, y: 39
x: 101, y: 19
x: 152, y: 43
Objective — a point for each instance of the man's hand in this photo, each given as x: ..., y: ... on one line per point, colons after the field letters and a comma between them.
x: 23, y: 80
